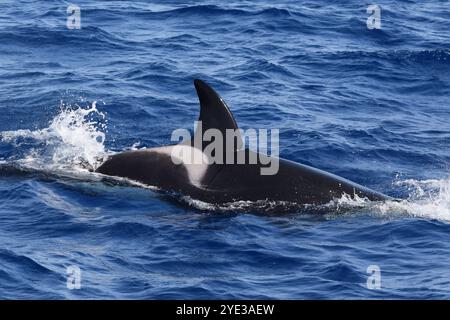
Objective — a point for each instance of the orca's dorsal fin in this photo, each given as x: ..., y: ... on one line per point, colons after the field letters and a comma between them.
x: 214, y: 112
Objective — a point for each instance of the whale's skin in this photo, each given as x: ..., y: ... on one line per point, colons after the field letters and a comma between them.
x: 294, y: 182
x: 223, y: 183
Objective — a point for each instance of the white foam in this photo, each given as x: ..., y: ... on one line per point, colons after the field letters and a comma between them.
x: 72, y: 141
x: 81, y: 140
x: 429, y: 199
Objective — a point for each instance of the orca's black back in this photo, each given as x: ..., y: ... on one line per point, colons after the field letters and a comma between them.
x: 292, y: 183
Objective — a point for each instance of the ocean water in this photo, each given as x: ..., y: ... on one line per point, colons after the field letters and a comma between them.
x: 371, y: 105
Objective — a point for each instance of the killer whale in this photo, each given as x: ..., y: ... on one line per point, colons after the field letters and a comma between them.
x: 219, y: 183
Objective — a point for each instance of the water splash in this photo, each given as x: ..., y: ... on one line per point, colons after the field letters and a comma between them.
x: 429, y: 199
x: 73, y: 141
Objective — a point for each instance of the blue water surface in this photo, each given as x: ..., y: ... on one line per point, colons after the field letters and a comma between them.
x: 371, y: 105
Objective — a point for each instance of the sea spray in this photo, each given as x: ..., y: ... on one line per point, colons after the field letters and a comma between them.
x: 427, y: 199
x: 74, y: 140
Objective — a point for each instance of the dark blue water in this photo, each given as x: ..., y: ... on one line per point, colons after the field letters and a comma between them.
x: 369, y: 105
